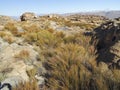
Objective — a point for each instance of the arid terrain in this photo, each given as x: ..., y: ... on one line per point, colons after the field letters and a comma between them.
x: 59, y: 52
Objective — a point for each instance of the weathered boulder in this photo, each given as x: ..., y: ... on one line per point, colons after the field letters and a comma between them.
x: 107, y: 41
x: 28, y: 16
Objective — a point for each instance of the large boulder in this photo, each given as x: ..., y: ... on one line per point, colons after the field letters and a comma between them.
x: 28, y: 16
x: 107, y: 41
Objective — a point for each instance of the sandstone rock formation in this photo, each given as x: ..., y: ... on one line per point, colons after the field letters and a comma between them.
x: 107, y: 41
x: 28, y: 16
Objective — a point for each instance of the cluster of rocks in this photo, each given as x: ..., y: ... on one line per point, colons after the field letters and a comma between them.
x: 93, y: 19
x: 52, y: 16
x: 107, y: 41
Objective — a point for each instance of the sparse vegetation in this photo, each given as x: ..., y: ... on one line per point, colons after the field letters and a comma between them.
x: 2, y: 77
x: 23, y: 54
x: 32, y: 85
x: 11, y: 27
x: 7, y: 36
x: 85, y: 26
x: 69, y: 58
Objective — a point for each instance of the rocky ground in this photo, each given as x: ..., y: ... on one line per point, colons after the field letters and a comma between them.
x: 20, y: 58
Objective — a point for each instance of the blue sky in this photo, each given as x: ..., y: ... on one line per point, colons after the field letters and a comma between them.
x: 17, y: 7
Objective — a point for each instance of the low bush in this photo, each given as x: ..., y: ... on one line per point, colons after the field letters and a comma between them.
x: 23, y: 54
x: 31, y: 85
x: 11, y: 27
x: 67, y: 69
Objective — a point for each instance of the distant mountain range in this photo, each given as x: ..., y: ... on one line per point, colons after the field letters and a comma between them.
x: 108, y: 14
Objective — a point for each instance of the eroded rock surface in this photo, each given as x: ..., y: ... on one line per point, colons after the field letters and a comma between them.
x: 14, y: 64
x: 107, y: 41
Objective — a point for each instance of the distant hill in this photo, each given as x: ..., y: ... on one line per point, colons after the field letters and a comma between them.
x: 108, y: 14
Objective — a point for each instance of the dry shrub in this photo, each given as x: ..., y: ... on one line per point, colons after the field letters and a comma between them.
x: 31, y: 73
x: 31, y: 85
x: 59, y: 34
x: 50, y: 30
x: 43, y: 38
x: 9, y: 39
x: 31, y: 37
x: 2, y: 34
x: 47, y: 39
x: 67, y: 71
x: 23, y: 54
x: 78, y: 38
x: 7, y: 36
x: 31, y: 28
x: 85, y: 26
x: 11, y: 27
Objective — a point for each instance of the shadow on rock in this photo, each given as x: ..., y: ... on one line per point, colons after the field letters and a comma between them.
x: 106, y: 40
x: 2, y: 86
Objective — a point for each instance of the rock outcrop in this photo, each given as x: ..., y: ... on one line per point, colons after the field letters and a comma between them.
x: 93, y: 19
x: 28, y: 16
x: 107, y: 41
x: 15, y: 61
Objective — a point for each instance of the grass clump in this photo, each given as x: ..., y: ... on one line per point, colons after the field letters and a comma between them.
x: 7, y: 36
x: 47, y: 39
x: 12, y: 28
x: 23, y: 54
x: 85, y: 26
x: 31, y: 28
x: 31, y: 85
x: 67, y: 71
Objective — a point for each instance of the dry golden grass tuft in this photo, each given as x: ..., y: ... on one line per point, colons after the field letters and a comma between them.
x: 85, y: 26
x: 31, y: 73
x: 31, y: 28
x: 47, y: 39
x: 31, y: 37
x: 67, y: 71
x: 12, y: 28
x: 7, y: 36
x: 9, y: 39
x: 31, y: 85
x: 23, y: 54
